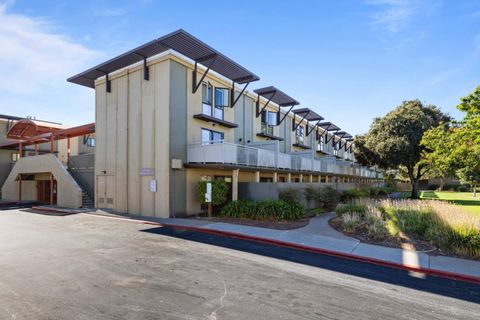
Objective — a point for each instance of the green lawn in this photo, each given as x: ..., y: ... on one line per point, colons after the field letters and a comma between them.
x: 465, y: 199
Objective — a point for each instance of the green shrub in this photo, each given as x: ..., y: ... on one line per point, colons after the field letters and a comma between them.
x: 330, y: 198
x: 219, y: 192
x: 263, y: 210
x: 355, y: 194
x: 314, y: 194
x: 289, y: 194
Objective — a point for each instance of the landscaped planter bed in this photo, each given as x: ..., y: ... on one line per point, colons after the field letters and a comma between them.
x: 435, y: 227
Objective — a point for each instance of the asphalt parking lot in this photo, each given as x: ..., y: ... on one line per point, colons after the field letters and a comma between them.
x: 89, y: 267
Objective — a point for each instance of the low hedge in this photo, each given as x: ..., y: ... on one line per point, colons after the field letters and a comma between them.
x: 263, y: 210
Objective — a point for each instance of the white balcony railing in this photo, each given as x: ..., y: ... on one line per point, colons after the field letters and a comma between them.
x: 220, y: 152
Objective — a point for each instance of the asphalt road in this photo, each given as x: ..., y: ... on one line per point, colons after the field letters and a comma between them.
x: 88, y: 267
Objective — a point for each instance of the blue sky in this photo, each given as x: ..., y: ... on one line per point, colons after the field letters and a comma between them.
x: 350, y: 61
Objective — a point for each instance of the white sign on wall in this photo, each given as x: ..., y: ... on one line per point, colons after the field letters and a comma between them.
x: 153, y: 185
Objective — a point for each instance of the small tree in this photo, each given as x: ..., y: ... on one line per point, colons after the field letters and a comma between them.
x: 219, y: 192
x: 470, y: 171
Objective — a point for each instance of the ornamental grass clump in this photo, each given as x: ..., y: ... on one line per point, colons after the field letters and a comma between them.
x: 447, y: 226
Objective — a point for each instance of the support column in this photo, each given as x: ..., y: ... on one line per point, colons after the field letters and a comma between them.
x: 19, y: 187
x: 20, y: 150
x: 36, y: 149
x: 68, y: 151
x: 300, y: 178
x: 311, y: 178
x: 319, y: 179
x: 235, y: 184
x: 51, y: 189
x: 257, y: 176
x: 275, y: 177
x: 289, y: 177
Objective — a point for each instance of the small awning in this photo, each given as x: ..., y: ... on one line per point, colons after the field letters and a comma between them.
x: 328, y: 126
x: 180, y: 41
x: 279, y: 97
x: 308, y: 114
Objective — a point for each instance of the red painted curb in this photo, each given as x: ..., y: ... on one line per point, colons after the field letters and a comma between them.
x: 432, y: 272
x: 428, y: 271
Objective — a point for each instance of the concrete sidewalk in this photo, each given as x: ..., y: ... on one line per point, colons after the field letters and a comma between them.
x: 319, y: 234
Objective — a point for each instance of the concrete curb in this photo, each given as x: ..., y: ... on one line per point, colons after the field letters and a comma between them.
x: 428, y: 271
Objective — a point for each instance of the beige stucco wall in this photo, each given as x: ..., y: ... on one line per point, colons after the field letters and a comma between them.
x: 69, y: 193
x: 132, y: 132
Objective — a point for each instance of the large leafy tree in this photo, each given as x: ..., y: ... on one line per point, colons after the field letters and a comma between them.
x: 439, y: 143
x: 467, y: 151
x: 394, y: 141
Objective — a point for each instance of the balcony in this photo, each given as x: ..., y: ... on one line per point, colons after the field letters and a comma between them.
x: 220, y: 152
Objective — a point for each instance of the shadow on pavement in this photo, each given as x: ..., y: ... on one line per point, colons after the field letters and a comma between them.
x: 446, y: 287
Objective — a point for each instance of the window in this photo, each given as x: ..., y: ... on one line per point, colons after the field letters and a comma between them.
x: 210, y: 136
x: 15, y: 156
x: 335, y: 148
x: 90, y: 142
x: 321, y: 143
x: 269, y: 120
x: 221, y: 102
x: 207, y: 99
x: 299, y: 133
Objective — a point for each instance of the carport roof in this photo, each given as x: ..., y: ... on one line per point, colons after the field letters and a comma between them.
x: 180, y: 41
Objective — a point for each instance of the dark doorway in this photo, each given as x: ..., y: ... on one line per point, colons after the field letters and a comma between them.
x: 45, y: 193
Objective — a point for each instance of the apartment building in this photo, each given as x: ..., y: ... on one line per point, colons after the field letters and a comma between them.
x: 175, y: 111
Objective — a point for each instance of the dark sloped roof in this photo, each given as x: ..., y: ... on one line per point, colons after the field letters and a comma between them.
x: 277, y: 96
x: 328, y: 126
x: 310, y: 114
x: 180, y: 41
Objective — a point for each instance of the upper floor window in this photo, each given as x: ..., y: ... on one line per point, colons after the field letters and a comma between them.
x: 213, y: 104
x: 299, y: 134
x: 269, y: 120
x: 207, y: 99
x: 15, y: 156
x: 321, y: 143
x: 90, y: 142
x: 222, y: 96
x: 210, y: 136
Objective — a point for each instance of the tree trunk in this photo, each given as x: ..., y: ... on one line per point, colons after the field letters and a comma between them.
x: 442, y: 182
x: 414, y: 183
x: 474, y: 190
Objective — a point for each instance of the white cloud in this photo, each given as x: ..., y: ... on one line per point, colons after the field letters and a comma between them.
x: 34, y: 58
x: 394, y: 15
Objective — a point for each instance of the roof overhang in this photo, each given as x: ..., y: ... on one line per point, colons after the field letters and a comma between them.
x: 277, y: 96
x: 328, y: 126
x: 180, y: 41
x: 309, y: 115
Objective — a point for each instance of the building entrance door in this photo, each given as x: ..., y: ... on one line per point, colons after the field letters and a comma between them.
x: 47, y: 191
x: 105, y: 192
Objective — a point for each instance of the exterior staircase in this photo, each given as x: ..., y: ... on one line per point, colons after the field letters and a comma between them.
x: 87, y: 193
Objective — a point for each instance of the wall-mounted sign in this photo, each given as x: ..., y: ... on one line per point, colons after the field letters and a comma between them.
x: 146, y: 172
x: 153, y: 185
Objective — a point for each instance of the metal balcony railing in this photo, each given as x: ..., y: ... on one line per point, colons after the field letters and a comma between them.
x: 221, y: 152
